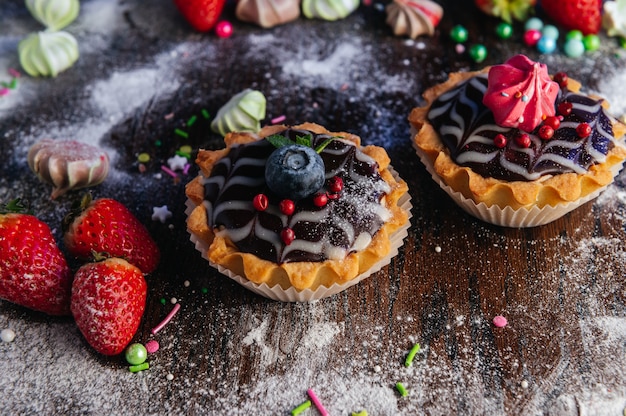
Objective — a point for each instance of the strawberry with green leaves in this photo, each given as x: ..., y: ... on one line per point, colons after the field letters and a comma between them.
x: 507, y: 10
x: 108, y: 302
x: 201, y: 14
x: 107, y: 226
x: 583, y: 15
x: 33, y: 271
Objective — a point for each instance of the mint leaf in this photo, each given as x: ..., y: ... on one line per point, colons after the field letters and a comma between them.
x: 325, y: 143
x: 304, y: 140
x: 279, y: 141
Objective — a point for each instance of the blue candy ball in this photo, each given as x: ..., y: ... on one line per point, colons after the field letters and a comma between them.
x: 294, y: 172
x: 534, y: 23
x: 546, y: 45
x: 550, y: 31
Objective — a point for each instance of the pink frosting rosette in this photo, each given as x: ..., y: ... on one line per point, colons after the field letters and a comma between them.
x: 520, y: 93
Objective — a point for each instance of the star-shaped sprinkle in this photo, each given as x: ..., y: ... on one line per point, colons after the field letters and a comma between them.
x: 161, y: 213
x: 177, y: 162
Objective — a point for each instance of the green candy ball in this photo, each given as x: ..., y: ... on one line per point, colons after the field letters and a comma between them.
x: 591, y: 42
x: 574, y: 34
x: 136, y: 354
x: 459, y: 34
x: 478, y: 53
x: 504, y: 30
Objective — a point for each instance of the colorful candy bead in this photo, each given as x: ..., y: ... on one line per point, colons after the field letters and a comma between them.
x: 550, y: 31
x: 574, y: 48
x: 224, y: 29
x: 531, y: 37
x: 591, y: 42
x: 574, y: 34
x: 546, y: 45
x: 478, y: 53
x: 459, y: 34
x: 534, y: 23
x: 504, y: 30
x: 136, y: 354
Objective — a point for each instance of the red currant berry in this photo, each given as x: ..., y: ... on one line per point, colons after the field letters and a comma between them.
x: 335, y: 184
x: 552, y: 121
x: 320, y: 200
x: 499, y: 141
x: 287, y: 235
x: 260, y: 202
x: 523, y: 140
x: 546, y: 132
x: 565, y: 108
x: 583, y: 130
x: 561, y: 78
x: 287, y: 206
x: 332, y: 196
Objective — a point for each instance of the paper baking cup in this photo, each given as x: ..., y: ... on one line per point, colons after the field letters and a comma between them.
x: 509, y: 217
x: 276, y: 292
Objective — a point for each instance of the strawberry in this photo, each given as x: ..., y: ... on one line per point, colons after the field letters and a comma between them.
x: 108, y: 301
x: 507, y: 10
x: 583, y: 15
x: 33, y: 271
x: 107, y: 226
x: 201, y: 14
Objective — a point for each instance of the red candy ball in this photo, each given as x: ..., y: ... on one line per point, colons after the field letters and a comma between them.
x: 499, y: 141
x: 260, y: 202
x: 320, y: 200
x: 287, y: 206
x: 523, y: 140
x: 565, y: 108
x: 553, y: 122
x: 531, y: 37
x: 546, y: 132
x: 224, y: 29
x: 335, y: 184
x: 583, y: 130
x: 287, y: 235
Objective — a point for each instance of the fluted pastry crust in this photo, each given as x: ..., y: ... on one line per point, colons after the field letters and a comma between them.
x: 300, y: 275
x: 545, y: 191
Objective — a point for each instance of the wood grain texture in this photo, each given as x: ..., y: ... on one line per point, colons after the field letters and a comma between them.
x: 561, y: 286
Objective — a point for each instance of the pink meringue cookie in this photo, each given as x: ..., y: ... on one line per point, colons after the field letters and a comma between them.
x: 520, y: 93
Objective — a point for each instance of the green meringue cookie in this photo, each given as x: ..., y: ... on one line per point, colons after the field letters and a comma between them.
x: 328, y: 9
x: 243, y: 112
x: 47, y: 53
x: 54, y: 14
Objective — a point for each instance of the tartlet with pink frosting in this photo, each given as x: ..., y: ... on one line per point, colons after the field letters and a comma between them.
x: 517, y: 147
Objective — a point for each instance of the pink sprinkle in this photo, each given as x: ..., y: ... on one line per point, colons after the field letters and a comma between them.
x: 186, y: 168
x: 499, y: 321
x: 459, y: 48
x: 166, y: 320
x: 278, y: 119
x: 169, y: 171
x: 317, y: 402
x: 152, y: 346
x: 14, y: 72
x: 4, y: 91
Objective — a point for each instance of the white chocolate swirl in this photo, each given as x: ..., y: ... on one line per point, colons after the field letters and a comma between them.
x: 342, y: 226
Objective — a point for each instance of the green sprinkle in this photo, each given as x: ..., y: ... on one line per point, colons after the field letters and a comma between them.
x: 157, y: 143
x: 181, y: 133
x: 301, y: 408
x: 205, y: 290
x: 412, y: 354
x: 13, y: 83
x: 205, y: 113
x: 143, y: 158
x: 163, y: 301
x: 403, y: 392
x: 191, y: 121
x: 139, y: 367
x: 183, y: 154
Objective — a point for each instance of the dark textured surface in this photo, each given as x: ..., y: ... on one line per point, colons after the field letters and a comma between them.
x: 561, y: 286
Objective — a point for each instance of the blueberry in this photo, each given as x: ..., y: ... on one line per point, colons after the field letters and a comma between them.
x: 294, y: 172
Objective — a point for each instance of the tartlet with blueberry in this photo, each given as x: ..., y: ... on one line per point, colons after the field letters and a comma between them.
x: 297, y: 213
x: 515, y: 146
